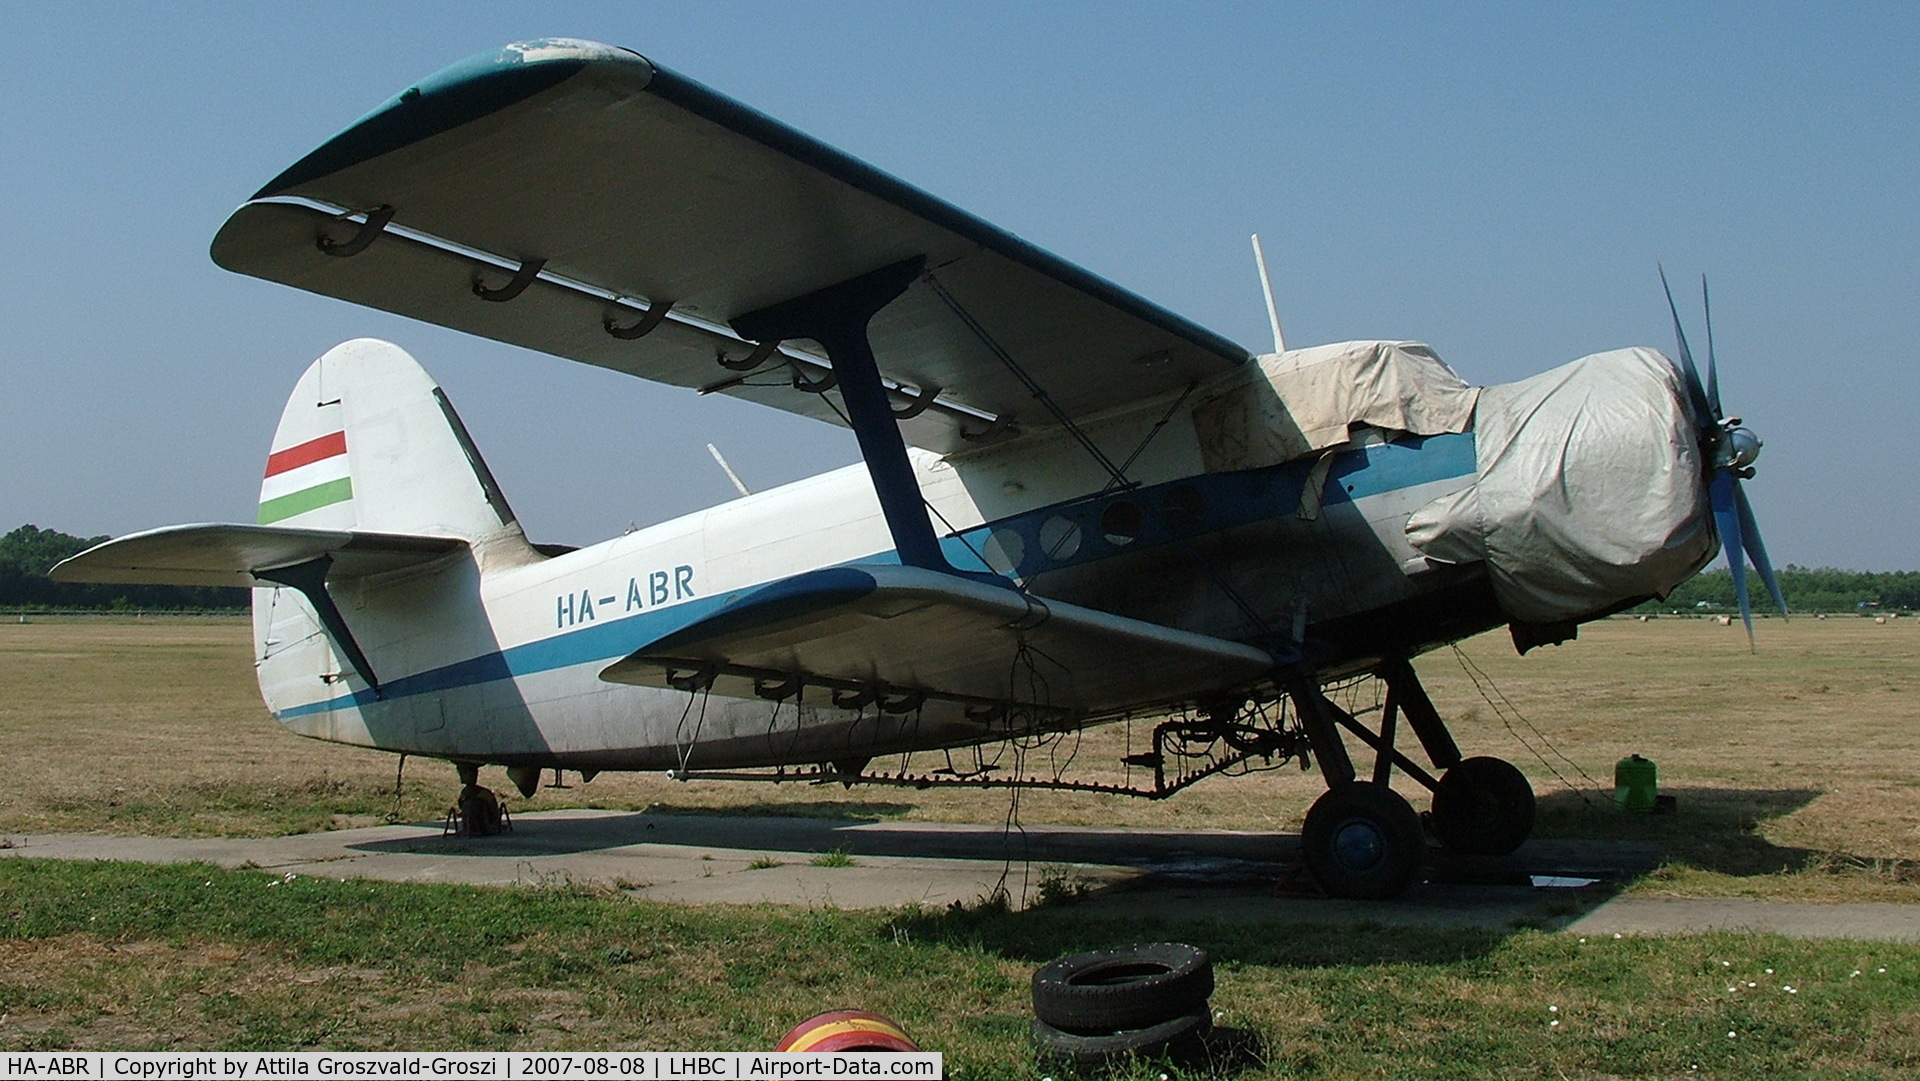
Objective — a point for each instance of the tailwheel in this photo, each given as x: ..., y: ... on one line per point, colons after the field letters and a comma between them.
x: 1483, y: 807
x: 1363, y: 841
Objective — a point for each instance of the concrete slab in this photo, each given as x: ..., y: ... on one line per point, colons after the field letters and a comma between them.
x: 1692, y: 915
x: 686, y: 859
x: 1201, y: 874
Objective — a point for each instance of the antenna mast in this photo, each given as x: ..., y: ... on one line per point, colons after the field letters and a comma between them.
x: 1266, y: 286
x: 731, y: 475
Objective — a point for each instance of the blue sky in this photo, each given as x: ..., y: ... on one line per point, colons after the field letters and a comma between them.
x: 1494, y: 180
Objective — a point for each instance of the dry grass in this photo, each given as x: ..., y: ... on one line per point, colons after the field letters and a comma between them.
x: 1797, y: 767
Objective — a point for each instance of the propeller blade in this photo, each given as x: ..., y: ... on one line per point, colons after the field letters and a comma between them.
x: 1724, y: 492
x: 1750, y: 539
x: 1713, y: 374
x: 1695, y: 392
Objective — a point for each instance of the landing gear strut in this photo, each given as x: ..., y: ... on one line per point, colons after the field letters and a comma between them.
x: 1362, y: 839
x: 477, y: 812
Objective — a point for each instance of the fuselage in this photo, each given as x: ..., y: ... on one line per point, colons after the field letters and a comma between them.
x: 495, y: 654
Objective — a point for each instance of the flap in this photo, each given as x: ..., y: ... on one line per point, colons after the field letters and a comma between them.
x: 905, y: 629
x: 227, y: 555
x: 635, y: 182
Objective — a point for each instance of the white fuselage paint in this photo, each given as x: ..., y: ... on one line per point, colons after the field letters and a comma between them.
x: 492, y: 656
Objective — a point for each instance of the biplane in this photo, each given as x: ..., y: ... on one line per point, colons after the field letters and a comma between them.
x: 1073, y: 508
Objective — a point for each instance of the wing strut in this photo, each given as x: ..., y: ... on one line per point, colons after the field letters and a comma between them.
x: 310, y: 578
x: 837, y: 318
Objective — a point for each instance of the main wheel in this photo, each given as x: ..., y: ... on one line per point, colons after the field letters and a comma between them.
x: 1483, y: 807
x: 1362, y: 841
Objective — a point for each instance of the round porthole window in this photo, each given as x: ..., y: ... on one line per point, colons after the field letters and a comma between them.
x: 1183, y: 507
x: 1059, y: 538
x: 1122, y: 522
x: 1003, y: 551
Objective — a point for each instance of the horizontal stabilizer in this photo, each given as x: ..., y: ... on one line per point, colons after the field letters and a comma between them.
x: 233, y: 555
x: 905, y: 630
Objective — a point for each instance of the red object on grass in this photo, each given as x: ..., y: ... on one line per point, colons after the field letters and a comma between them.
x: 847, y: 1030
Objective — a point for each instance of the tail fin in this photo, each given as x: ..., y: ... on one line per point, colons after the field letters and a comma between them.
x: 369, y: 442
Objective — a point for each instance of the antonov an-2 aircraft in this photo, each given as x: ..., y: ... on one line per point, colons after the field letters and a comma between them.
x: 1075, y: 507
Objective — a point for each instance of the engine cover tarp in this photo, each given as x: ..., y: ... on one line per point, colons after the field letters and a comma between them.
x: 1590, y: 489
x: 1306, y: 400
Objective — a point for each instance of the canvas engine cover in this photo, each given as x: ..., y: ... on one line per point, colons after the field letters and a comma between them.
x: 1590, y: 491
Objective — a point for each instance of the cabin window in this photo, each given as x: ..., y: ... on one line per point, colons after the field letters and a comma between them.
x: 1183, y: 507
x: 1004, y: 550
x: 1059, y: 538
x: 1122, y: 522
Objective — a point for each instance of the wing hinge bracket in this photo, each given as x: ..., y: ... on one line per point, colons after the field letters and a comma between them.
x: 522, y: 278
x: 761, y: 352
x: 648, y: 320
x: 377, y: 221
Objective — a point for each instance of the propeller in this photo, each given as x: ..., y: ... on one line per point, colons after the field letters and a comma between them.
x: 1731, y: 450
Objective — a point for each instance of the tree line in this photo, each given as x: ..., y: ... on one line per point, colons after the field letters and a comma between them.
x: 27, y: 553
x: 1807, y: 589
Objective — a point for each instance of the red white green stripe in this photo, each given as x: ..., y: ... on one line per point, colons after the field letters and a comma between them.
x: 305, y: 477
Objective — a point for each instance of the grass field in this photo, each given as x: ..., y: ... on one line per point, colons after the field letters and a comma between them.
x: 120, y: 957
x: 1797, y: 767
x: 1795, y: 770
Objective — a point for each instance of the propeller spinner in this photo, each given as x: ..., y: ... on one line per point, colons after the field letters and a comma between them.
x: 1731, y: 449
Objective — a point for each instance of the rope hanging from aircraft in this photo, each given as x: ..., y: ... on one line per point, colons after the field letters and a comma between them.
x: 1504, y: 709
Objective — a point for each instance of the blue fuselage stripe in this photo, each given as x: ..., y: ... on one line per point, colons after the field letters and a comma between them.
x: 1224, y: 501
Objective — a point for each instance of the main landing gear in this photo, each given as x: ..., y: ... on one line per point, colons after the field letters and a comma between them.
x: 478, y: 811
x: 1362, y: 839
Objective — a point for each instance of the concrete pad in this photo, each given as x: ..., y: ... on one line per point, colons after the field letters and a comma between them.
x: 1693, y: 915
x: 1199, y: 874
x: 687, y: 859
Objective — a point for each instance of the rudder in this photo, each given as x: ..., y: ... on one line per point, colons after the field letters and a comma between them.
x: 369, y: 441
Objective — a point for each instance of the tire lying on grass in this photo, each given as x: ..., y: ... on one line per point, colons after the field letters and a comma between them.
x: 1118, y: 990
x: 1176, y: 1038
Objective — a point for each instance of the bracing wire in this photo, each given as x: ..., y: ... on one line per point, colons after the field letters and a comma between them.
x: 1033, y: 387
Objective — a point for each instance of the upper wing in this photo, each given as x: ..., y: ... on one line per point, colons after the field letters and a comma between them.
x: 230, y: 555
x: 626, y: 186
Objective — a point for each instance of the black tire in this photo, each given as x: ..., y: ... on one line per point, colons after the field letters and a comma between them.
x: 1483, y: 807
x: 480, y: 810
x: 1182, y: 1036
x: 1362, y: 841
x: 1133, y: 987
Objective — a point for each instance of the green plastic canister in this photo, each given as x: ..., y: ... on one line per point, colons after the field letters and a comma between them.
x: 1636, y: 783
